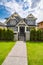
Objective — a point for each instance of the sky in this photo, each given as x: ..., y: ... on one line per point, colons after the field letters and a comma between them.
x: 22, y: 7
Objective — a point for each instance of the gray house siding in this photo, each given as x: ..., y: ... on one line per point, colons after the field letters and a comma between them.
x: 31, y: 22
x: 13, y: 28
x: 12, y: 22
x: 16, y: 22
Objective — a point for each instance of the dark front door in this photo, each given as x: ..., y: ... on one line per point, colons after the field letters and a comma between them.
x: 22, y: 33
x: 22, y: 30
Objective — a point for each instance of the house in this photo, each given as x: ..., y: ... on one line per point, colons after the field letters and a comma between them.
x: 40, y: 25
x: 21, y: 26
x: 2, y: 25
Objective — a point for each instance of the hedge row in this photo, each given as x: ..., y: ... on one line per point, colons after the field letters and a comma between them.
x: 6, y: 35
x: 36, y: 35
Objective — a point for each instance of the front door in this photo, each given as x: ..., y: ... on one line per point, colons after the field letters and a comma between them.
x: 22, y: 30
x: 22, y: 33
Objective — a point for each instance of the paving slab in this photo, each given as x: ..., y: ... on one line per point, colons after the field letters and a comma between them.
x: 18, y: 55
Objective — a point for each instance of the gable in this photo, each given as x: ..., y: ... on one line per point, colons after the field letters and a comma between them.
x: 31, y: 16
x: 15, y: 19
x: 13, y: 16
x: 22, y: 22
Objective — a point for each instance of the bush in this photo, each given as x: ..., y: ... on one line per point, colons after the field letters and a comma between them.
x: 6, y: 35
x: 10, y: 35
x: 33, y: 36
x: 41, y: 35
x: 36, y: 35
x: 1, y: 34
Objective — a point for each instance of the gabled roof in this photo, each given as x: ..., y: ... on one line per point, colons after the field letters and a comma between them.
x: 17, y: 17
x: 26, y: 22
x: 22, y: 22
x: 31, y: 16
x: 14, y: 15
x: 40, y: 22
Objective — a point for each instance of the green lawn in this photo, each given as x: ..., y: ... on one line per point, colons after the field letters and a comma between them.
x: 35, y: 53
x: 5, y: 48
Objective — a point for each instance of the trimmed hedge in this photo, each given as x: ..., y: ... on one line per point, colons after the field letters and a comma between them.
x: 6, y: 35
x: 36, y: 35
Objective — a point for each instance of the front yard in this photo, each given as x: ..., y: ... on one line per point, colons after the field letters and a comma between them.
x: 35, y: 53
x: 5, y: 48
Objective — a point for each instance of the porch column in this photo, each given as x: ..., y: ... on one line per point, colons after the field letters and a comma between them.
x: 25, y: 28
x: 18, y: 28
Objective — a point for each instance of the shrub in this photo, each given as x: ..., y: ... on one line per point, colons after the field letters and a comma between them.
x: 1, y: 34
x: 6, y: 35
x: 33, y: 36
x: 10, y: 35
x: 39, y: 35
x: 36, y: 35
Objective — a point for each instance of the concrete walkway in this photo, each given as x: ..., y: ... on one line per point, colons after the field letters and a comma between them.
x: 18, y: 55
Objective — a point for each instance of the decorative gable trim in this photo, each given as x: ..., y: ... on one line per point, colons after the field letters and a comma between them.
x: 31, y: 16
x: 12, y: 17
x: 22, y: 22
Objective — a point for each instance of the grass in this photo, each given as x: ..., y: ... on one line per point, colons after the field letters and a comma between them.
x: 35, y: 53
x: 5, y: 48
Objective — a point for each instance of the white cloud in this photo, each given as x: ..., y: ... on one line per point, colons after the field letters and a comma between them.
x: 38, y: 13
x: 41, y: 4
x: 10, y: 6
x: 2, y: 20
x: 14, y: 6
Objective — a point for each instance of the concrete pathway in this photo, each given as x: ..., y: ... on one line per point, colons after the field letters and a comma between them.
x: 18, y: 55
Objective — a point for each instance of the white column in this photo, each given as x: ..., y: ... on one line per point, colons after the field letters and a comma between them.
x: 18, y: 28
x: 25, y: 28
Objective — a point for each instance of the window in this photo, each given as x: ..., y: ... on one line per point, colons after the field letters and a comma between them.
x: 27, y: 29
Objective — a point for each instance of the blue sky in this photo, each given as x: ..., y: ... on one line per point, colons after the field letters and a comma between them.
x: 22, y: 7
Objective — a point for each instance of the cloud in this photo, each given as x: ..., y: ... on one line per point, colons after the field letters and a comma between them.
x: 35, y: 3
x: 23, y: 7
x: 19, y: 1
x: 38, y: 13
x: 2, y: 20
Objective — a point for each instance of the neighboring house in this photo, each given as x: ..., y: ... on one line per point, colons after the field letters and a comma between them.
x: 21, y: 26
x: 2, y: 25
x: 40, y: 25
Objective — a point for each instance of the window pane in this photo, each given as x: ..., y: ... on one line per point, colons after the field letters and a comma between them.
x: 27, y: 29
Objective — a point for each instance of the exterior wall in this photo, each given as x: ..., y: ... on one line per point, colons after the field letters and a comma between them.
x: 11, y: 22
x: 15, y: 29
x: 15, y: 36
x: 27, y: 36
x: 31, y: 21
x: 40, y: 25
x: 22, y: 22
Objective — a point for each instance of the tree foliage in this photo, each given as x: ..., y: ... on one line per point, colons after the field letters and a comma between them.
x: 7, y: 35
x: 36, y: 35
